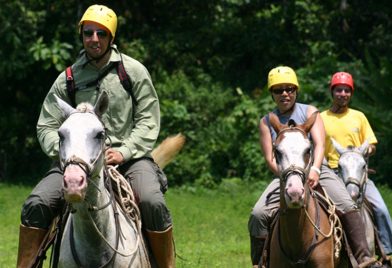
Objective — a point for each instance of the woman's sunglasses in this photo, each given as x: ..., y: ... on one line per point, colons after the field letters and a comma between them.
x: 100, y: 33
x: 279, y: 91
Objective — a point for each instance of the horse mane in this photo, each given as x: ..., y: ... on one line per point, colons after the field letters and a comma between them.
x: 292, y: 123
x: 85, y: 107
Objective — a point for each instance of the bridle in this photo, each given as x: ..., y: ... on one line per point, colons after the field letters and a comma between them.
x: 361, y: 183
x: 89, y: 169
x: 303, y: 173
x: 293, y: 169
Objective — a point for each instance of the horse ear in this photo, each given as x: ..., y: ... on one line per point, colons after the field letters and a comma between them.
x: 64, y: 106
x: 364, y: 147
x: 275, y: 123
x: 102, y: 104
x: 309, y: 122
x: 339, y: 148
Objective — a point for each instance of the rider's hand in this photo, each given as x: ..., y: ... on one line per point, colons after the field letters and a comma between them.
x: 313, y: 178
x: 113, y: 157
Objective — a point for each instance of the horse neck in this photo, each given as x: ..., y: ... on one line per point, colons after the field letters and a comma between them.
x: 293, y: 223
x: 96, y: 211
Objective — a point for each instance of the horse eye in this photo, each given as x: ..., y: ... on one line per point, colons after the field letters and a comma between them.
x: 278, y: 155
x: 61, y: 136
x: 100, y: 135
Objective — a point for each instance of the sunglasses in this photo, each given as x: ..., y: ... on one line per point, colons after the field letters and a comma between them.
x: 341, y: 89
x: 100, y: 33
x: 288, y: 90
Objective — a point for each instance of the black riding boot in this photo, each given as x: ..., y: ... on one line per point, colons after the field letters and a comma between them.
x: 256, y: 249
x: 355, y: 231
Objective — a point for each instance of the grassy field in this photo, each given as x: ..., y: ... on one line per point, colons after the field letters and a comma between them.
x: 210, y: 226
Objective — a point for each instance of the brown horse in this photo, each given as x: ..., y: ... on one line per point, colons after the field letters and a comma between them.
x: 303, y: 233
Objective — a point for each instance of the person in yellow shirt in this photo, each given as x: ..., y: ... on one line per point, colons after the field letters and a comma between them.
x: 284, y: 88
x: 351, y: 127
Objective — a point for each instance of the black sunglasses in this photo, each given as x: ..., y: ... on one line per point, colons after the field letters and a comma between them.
x: 100, y: 33
x: 279, y: 91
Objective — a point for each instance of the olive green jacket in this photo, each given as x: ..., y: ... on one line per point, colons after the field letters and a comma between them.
x: 132, y: 130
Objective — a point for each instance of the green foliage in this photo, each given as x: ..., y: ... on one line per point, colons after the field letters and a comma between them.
x: 209, y: 62
x: 56, y: 55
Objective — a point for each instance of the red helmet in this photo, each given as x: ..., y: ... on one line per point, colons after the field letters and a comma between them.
x: 342, y: 78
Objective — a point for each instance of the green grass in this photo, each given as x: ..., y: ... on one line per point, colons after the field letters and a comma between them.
x: 11, y: 200
x: 210, y: 226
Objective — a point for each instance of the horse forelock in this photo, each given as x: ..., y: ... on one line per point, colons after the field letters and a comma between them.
x: 351, y: 147
x: 85, y: 107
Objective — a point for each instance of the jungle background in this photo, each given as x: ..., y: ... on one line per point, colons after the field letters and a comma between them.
x: 209, y: 62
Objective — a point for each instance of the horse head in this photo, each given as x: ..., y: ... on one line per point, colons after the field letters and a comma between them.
x: 81, y: 146
x: 353, y: 167
x: 292, y: 151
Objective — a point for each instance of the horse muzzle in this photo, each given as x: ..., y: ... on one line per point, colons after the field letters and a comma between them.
x: 74, y: 183
x: 294, y: 192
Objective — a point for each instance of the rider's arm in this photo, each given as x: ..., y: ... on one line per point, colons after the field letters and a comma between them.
x: 51, y: 117
x: 318, y: 136
x: 266, y: 146
x: 140, y: 141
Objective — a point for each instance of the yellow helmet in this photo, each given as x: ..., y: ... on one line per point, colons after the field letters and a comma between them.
x: 282, y: 75
x: 102, y: 15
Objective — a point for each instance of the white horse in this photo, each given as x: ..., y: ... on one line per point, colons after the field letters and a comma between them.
x: 97, y: 232
x: 353, y: 170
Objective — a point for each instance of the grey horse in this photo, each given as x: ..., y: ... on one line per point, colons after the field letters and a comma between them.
x: 353, y: 170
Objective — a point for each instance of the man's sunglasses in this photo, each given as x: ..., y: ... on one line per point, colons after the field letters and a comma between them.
x: 279, y: 91
x: 100, y: 33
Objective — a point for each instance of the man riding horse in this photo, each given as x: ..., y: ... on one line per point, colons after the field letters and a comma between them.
x: 350, y: 127
x: 132, y: 122
x: 284, y: 87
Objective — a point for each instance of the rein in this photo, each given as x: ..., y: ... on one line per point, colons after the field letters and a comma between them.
x: 309, y: 193
x: 302, y: 260
x: 335, y: 227
x: 362, y: 181
x: 293, y: 169
x: 117, y: 225
x: 88, y: 169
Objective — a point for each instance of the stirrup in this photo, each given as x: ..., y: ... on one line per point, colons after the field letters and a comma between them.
x: 368, y: 262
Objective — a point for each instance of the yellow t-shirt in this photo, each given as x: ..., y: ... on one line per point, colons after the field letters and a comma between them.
x: 349, y: 128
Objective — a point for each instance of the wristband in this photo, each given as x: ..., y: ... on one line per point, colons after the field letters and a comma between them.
x: 316, y: 169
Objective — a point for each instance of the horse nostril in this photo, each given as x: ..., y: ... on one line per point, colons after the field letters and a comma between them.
x: 81, y: 182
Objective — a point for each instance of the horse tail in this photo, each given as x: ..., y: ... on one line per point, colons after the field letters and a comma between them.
x: 168, y: 149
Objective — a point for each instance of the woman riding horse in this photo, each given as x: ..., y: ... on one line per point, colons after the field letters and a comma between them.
x: 283, y: 86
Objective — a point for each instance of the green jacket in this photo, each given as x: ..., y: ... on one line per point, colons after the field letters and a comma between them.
x: 132, y: 130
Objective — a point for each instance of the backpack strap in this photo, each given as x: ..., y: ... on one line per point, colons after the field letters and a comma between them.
x: 125, y: 80
x: 70, y: 83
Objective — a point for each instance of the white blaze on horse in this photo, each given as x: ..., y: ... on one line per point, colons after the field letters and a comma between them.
x: 303, y: 235
x: 97, y: 232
